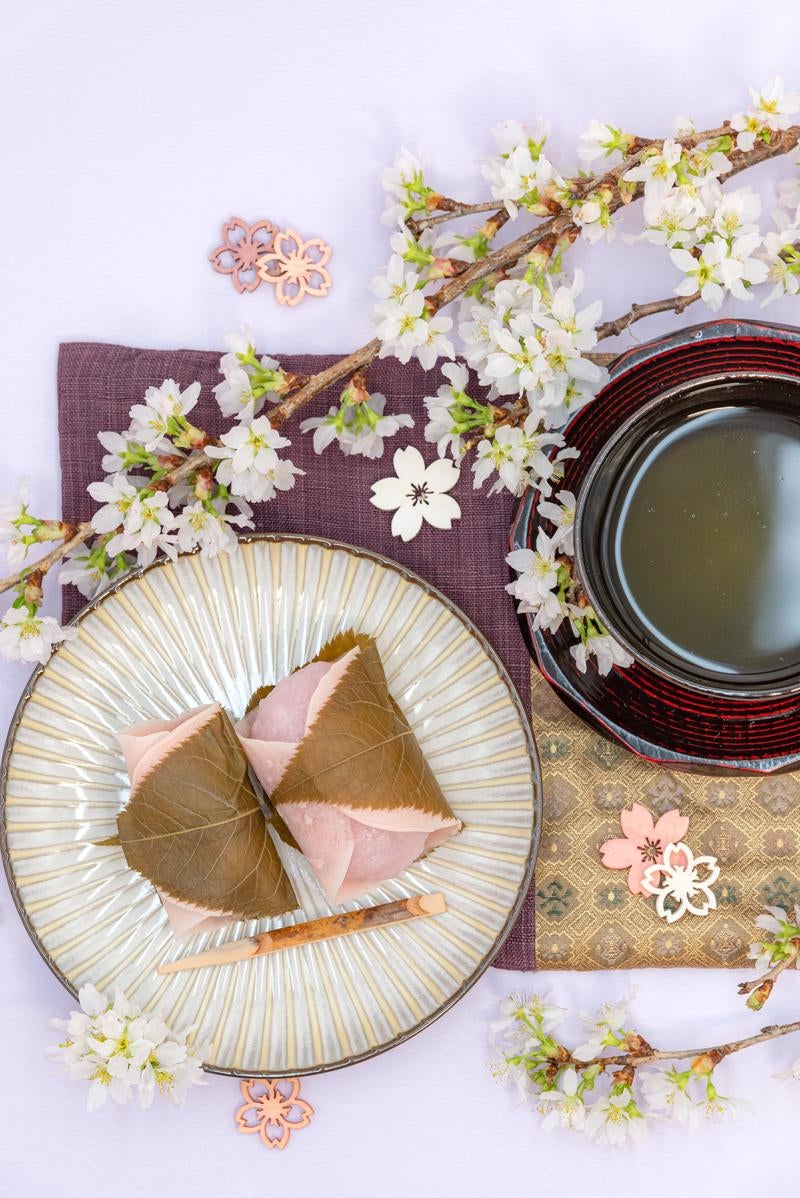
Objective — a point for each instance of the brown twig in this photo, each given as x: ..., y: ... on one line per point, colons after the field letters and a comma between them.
x: 458, y: 210
x: 673, y: 303
x: 713, y: 1055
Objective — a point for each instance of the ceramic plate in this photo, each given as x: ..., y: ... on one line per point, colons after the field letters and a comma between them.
x: 177, y: 635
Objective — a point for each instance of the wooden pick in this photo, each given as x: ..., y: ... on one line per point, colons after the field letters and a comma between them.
x: 363, y: 920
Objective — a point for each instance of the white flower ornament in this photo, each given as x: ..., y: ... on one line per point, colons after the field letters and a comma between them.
x: 684, y: 881
x: 418, y: 493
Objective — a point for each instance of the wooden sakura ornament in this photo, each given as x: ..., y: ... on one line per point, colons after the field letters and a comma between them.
x: 242, y: 245
x: 682, y: 883
x: 296, y: 267
x: 272, y: 1110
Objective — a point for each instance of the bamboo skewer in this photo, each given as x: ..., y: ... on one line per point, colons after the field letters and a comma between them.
x: 314, y: 930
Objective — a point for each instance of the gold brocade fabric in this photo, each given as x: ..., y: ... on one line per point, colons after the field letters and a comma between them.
x: 586, y: 918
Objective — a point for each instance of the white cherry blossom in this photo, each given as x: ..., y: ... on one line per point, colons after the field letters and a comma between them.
x: 670, y: 217
x: 782, y: 260
x: 249, y: 463
x: 658, y: 166
x: 117, y: 495
x: 668, y: 1092
x: 154, y: 420
x: 147, y: 528
x: 27, y: 636
x: 357, y: 428
x: 563, y: 1106
x: 436, y: 344
x: 123, y: 1053
x: 520, y: 169
x: 89, y: 569
x: 593, y: 218
x: 615, y: 1119
x: 396, y: 282
x: 235, y: 395
x: 405, y: 183
x: 606, y: 651
x: 402, y: 327
x: 788, y: 193
x: 405, y: 172
x: 537, y: 569
x: 210, y: 527
x: 721, y: 267
x: 17, y: 526
x: 737, y: 213
x: 602, y: 141
x: 452, y: 413
x: 562, y: 514
x: 771, y: 110
x: 248, y: 381
x: 606, y: 1028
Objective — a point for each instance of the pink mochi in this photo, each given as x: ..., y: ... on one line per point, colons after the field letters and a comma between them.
x: 350, y: 849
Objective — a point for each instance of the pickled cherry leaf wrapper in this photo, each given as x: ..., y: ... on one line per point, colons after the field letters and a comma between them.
x: 194, y: 826
x: 344, y: 770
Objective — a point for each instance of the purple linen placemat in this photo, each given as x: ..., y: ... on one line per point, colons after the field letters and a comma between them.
x: 97, y: 384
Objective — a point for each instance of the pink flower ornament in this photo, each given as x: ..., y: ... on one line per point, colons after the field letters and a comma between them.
x: 296, y: 267
x: 643, y: 843
x: 242, y: 245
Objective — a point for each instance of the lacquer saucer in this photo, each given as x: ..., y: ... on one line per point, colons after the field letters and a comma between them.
x: 673, y: 707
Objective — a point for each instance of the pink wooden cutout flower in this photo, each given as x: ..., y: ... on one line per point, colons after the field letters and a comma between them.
x: 296, y: 267
x: 272, y: 1109
x: 643, y: 842
x: 242, y: 245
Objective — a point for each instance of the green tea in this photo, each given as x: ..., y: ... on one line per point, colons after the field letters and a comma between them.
x: 704, y: 537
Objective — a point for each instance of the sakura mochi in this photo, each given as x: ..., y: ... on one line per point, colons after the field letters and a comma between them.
x: 193, y: 825
x: 344, y: 770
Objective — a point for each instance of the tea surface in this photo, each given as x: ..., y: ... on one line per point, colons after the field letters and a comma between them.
x: 705, y: 539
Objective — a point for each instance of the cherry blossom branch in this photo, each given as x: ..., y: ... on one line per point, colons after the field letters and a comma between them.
x: 705, y: 1058
x: 196, y: 461
x: 39, y: 568
x: 549, y: 231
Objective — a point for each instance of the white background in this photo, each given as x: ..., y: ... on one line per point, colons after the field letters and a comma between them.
x: 129, y: 132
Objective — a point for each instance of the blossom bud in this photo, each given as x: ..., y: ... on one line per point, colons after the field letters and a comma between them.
x: 356, y: 391
x: 204, y: 484
x: 437, y: 202
x: 636, y: 1044
x: 706, y: 1063
x: 540, y: 254
x: 32, y: 591
x: 626, y: 191
x: 169, y: 461
x: 447, y: 268
x: 759, y: 996
x: 54, y: 530
x: 289, y: 382
x: 197, y: 438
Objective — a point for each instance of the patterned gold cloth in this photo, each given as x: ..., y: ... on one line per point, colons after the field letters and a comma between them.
x: 586, y: 918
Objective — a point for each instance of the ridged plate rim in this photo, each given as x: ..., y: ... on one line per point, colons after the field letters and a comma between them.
x: 516, y: 702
